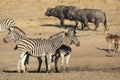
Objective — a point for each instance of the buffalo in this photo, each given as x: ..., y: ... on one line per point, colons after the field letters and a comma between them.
x: 86, y: 15
x: 62, y: 12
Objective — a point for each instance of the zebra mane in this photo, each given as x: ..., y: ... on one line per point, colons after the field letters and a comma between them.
x: 40, y: 39
x: 60, y: 34
x: 15, y: 28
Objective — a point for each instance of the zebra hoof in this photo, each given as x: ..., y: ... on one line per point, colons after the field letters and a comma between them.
x: 19, y: 71
x: 67, y: 70
x: 38, y: 70
x: 58, y: 71
x: 62, y: 69
x: 48, y: 71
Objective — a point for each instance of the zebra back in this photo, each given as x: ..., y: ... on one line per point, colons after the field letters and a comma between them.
x: 35, y: 47
x: 5, y: 24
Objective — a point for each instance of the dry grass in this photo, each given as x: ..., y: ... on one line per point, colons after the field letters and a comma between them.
x: 90, y: 61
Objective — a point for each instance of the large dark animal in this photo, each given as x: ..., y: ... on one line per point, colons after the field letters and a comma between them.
x: 95, y: 16
x: 62, y: 12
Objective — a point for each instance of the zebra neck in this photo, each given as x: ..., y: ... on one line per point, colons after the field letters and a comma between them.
x: 66, y: 41
x: 57, y: 44
x: 17, y: 38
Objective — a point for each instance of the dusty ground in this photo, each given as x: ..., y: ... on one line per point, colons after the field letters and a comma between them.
x: 90, y: 61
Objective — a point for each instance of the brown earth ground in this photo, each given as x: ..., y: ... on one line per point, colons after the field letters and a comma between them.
x: 90, y: 61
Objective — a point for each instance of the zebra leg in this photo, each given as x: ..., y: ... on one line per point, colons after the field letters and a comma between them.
x: 46, y: 63
x: 19, y: 62
x: 19, y: 65
x: 53, y: 59
x: 49, y: 57
x: 26, y: 63
x: 62, y: 60
x: 56, y: 61
x: 22, y: 62
x: 67, y: 62
x: 40, y: 62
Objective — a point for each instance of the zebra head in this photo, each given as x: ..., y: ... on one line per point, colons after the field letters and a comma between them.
x: 72, y: 38
x: 14, y: 34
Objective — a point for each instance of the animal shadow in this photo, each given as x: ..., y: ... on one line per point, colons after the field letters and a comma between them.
x: 34, y: 71
x: 58, y: 26
x: 110, y: 53
x: 10, y: 71
x: 104, y: 49
x: 15, y: 71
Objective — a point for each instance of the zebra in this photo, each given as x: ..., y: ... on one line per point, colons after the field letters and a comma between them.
x: 19, y: 32
x: 15, y: 34
x: 40, y: 48
x: 5, y: 24
x: 63, y: 51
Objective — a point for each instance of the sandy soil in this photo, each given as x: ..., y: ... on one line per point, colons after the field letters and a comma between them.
x: 90, y: 61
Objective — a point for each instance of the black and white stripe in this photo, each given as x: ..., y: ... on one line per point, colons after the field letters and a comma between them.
x: 5, y: 24
x: 17, y: 34
x: 63, y: 52
x: 39, y: 47
x: 36, y: 47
